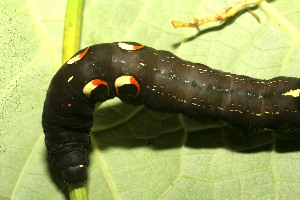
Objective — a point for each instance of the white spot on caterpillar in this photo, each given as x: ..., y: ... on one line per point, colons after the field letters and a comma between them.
x: 78, y: 57
x: 236, y: 111
x: 122, y: 80
x: 293, y: 93
x: 70, y: 78
x: 220, y: 108
x: 129, y: 47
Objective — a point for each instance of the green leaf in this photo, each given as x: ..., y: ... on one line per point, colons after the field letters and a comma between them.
x: 138, y: 153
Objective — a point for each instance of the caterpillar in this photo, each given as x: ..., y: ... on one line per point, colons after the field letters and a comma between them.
x: 138, y: 74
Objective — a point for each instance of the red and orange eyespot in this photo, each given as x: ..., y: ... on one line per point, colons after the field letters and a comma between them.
x: 97, y: 90
x: 127, y: 86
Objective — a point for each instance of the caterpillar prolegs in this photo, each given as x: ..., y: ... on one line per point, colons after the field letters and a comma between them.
x: 139, y: 74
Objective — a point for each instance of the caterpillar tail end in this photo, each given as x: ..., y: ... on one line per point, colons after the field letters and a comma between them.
x: 74, y: 175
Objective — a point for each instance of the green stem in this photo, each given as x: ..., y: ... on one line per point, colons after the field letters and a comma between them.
x: 71, y: 42
x: 78, y: 192
x: 72, y: 28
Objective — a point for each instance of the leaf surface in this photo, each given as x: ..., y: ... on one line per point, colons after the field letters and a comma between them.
x: 138, y: 153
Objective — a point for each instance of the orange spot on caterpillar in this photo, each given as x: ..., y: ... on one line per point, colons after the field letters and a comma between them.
x: 83, y: 53
x: 134, y: 81
x: 129, y: 47
x: 137, y: 47
x: 78, y: 57
x: 69, y: 105
x: 97, y: 82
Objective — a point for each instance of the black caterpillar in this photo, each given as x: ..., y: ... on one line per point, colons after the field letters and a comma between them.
x: 139, y: 74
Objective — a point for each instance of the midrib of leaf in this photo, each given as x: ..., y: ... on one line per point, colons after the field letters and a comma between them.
x: 27, y: 165
x: 280, y: 19
x: 288, y: 27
